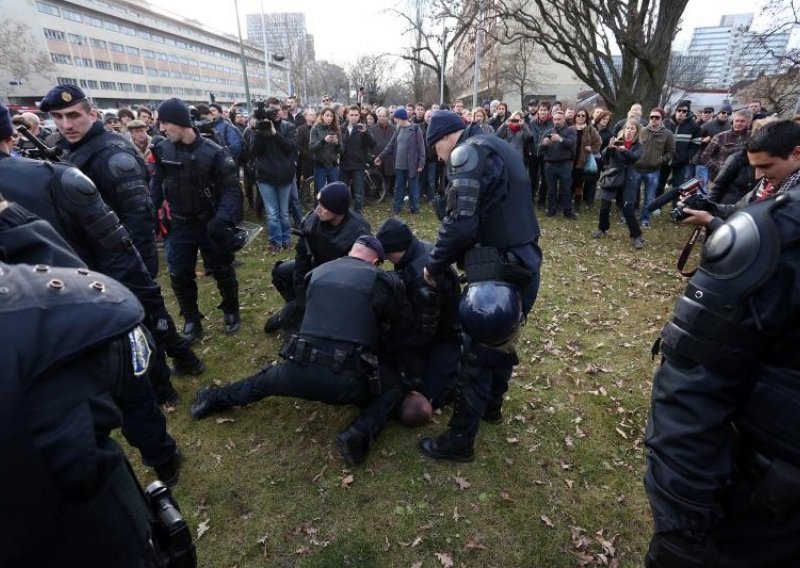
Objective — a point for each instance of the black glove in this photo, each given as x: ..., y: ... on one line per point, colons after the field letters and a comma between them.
x: 224, y: 235
x: 681, y: 549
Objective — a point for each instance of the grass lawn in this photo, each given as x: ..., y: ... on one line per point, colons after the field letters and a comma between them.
x: 558, y: 484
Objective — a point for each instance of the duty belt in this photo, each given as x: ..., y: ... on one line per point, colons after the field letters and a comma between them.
x: 301, y: 350
x: 194, y: 220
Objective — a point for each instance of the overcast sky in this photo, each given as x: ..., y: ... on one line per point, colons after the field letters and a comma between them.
x: 344, y: 30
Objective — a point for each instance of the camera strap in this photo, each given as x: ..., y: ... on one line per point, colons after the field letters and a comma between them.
x: 687, y: 250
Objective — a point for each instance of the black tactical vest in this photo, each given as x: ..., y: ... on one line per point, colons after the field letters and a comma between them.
x: 514, y: 222
x: 339, y: 302
x: 187, y: 182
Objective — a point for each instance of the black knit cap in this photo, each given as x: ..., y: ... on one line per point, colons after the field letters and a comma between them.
x: 443, y: 122
x: 174, y: 111
x: 394, y: 235
x: 335, y: 197
x: 62, y: 96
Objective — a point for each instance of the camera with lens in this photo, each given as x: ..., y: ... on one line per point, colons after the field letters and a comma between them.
x: 264, y: 116
x: 205, y: 127
x: 696, y: 201
x: 689, y: 195
x: 171, y: 537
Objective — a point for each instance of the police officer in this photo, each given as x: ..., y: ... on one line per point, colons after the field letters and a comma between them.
x: 332, y: 358
x: 200, y: 181
x: 723, y: 468
x: 490, y: 227
x: 327, y: 232
x: 424, y: 349
x: 69, y: 201
x: 70, y: 337
x: 24, y: 238
x: 110, y: 161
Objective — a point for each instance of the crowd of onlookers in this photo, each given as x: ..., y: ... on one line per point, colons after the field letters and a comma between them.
x: 574, y: 156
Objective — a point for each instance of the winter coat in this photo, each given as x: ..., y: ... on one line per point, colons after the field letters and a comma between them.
x: 324, y: 153
x: 687, y: 140
x: 415, y: 160
x: 518, y: 140
x: 659, y: 147
x: 590, y: 138
x: 382, y: 138
x: 357, y: 147
x: 735, y: 179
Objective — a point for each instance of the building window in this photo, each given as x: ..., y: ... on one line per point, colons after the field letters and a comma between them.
x: 148, y: 53
x: 92, y: 21
x: 111, y: 26
x: 155, y: 89
x: 118, y: 47
x: 137, y: 69
x: 99, y: 43
x: 46, y: 8
x: 121, y: 67
x: 129, y: 49
x: 83, y: 61
x: 66, y: 81
x: 61, y: 58
x: 127, y: 30
x: 77, y: 39
x: 157, y: 38
x: 53, y: 34
x: 70, y: 15
x: 103, y: 65
x: 127, y: 87
x: 152, y: 71
x: 89, y: 83
x: 139, y: 88
x: 108, y: 85
x: 143, y: 34
x: 167, y: 90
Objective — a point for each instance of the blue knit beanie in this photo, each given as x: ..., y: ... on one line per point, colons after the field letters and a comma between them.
x: 335, y: 197
x: 443, y: 122
x: 400, y: 114
x: 174, y: 111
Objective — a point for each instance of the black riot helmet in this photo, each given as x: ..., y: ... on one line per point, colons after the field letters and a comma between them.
x: 491, y: 311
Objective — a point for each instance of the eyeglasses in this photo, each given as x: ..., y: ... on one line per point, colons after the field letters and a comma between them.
x: 682, y: 111
x: 723, y: 112
x: 655, y: 117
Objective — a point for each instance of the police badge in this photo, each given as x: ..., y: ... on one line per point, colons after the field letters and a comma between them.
x: 140, y: 351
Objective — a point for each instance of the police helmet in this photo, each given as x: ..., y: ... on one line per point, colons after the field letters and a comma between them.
x: 490, y: 312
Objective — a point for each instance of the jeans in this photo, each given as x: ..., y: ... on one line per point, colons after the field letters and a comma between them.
x: 324, y: 175
x: 357, y: 189
x: 295, y: 206
x: 558, y: 178
x: 400, y: 180
x: 430, y: 180
x: 681, y: 174
x: 276, y: 200
x: 650, y: 185
x: 628, y: 197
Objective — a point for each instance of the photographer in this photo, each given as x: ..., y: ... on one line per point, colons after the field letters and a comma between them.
x: 273, y: 150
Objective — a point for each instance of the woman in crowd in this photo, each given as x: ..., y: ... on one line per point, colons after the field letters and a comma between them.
x: 371, y: 119
x: 326, y: 147
x: 467, y: 116
x: 619, y: 157
x: 499, y: 117
x: 479, y: 119
x: 516, y: 133
x: 588, y: 142
x: 603, y: 126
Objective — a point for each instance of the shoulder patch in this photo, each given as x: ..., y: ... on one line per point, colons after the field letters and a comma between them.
x: 140, y: 351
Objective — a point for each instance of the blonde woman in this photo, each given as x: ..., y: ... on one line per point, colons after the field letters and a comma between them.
x: 516, y: 132
x: 479, y: 119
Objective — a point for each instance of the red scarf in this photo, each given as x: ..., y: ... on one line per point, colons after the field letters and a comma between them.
x: 628, y: 144
x: 514, y: 127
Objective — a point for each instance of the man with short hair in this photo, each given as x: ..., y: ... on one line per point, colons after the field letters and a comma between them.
x: 658, y: 144
x: 141, y: 141
x: 687, y: 143
x: 419, y: 113
x: 408, y: 148
x: 458, y: 107
x: 557, y: 150
x: 305, y: 162
x: 36, y: 126
x: 146, y: 115
x: 358, y: 145
x: 711, y: 126
x: 726, y: 143
x: 383, y: 131
x: 539, y: 123
x: 295, y: 114
x: 723, y: 439
x: 756, y: 110
x: 228, y: 134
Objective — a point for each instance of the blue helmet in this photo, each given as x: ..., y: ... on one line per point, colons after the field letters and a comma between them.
x: 491, y: 311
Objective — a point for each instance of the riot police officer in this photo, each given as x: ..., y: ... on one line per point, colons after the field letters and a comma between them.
x: 110, y: 161
x: 70, y: 337
x: 200, y: 181
x: 490, y: 226
x: 723, y: 468
x: 69, y: 201
x: 423, y: 349
x: 332, y: 358
x: 327, y: 232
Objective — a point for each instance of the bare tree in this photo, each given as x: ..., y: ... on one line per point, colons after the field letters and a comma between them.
x: 438, y: 27
x: 517, y: 66
x: 684, y: 74
x: 20, y: 54
x: 371, y: 72
x: 580, y: 34
x: 327, y: 78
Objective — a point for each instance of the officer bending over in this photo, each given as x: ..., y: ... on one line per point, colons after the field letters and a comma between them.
x: 68, y: 495
x: 69, y: 201
x: 332, y: 358
x: 723, y: 469
x: 423, y: 349
x: 490, y: 227
x: 200, y: 181
x: 327, y: 232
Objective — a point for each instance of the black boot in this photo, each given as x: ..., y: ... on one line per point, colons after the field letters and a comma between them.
x: 209, y: 400
x: 273, y: 323
x: 232, y: 322
x: 187, y: 366
x: 449, y: 446
x: 229, y: 290
x: 185, y: 289
x: 192, y: 330
x: 493, y: 413
x: 353, y: 445
x: 170, y: 471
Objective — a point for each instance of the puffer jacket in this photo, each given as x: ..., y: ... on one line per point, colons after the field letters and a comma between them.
x: 324, y: 153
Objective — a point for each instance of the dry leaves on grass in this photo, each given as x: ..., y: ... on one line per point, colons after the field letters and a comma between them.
x: 462, y: 482
x: 202, y: 528
x: 445, y: 558
x: 347, y: 481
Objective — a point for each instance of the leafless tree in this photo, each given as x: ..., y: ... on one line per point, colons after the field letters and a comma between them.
x: 328, y: 78
x: 438, y: 26
x: 20, y: 54
x: 685, y: 73
x: 580, y: 34
x: 516, y: 66
x: 371, y: 72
